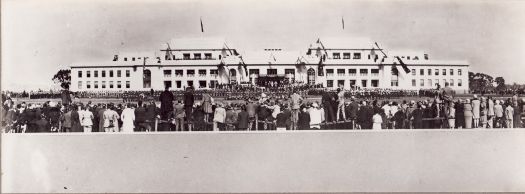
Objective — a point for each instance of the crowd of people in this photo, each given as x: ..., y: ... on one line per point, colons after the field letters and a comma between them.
x: 286, y: 111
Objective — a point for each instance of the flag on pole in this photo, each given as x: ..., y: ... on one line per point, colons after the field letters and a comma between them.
x: 343, y: 22
x: 405, y: 68
x: 202, y: 27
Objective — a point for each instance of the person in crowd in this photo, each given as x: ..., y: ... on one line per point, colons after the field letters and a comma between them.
x: 151, y: 114
x: 86, y: 119
x: 140, y: 118
x: 490, y: 112
x: 509, y: 115
x: 468, y: 114
x: 199, y: 124
x: 207, y: 102
x: 399, y: 118
x: 353, y: 109
x: 75, y: 119
x: 243, y: 119
x: 498, y: 111
x: 230, y: 119
x: 42, y: 124
x: 111, y: 119
x: 304, y: 119
x: 476, y: 113
x: 189, y: 101
x: 340, y: 104
x: 251, y: 107
x: 377, y: 120
x: 166, y: 103
x: 459, y: 115
x: 180, y: 114
x: 128, y: 119
x: 417, y: 116
x: 295, y: 100
x: 219, y: 117
x: 65, y: 119
x: 517, y: 111
x: 327, y: 100
x: 100, y: 112
x: 316, y: 116
x: 483, y: 112
x: 451, y: 114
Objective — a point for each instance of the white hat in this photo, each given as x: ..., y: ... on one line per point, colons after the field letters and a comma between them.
x: 52, y: 104
x: 263, y: 95
x: 475, y: 96
x: 315, y: 105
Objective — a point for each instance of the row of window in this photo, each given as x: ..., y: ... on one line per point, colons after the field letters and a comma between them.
x: 103, y: 73
x: 352, y: 72
x: 436, y: 82
x: 364, y: 83
x: 201, y: 84
x: 189, y: 72
x: 103, y: 84
x: 436, y: 72
x: 346, y: 56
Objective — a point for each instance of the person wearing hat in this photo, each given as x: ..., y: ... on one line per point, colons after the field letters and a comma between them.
x: 460, y: 117
x: 219, y: 117
x: 490, y: 112
x: 509, y: 116
x: 476, y: 111
x: 316, y: 116
x: 498, y: 112
x: 467, y: 108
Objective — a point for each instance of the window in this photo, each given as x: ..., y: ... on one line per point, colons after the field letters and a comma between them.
x: 146, y: 78
x: 128, y: 84
x: 133, y: 59
x: 213, y: 83
x: 375, y: 83
x: 103, y: 84
x: 429, y: 82
x: 202, y: 72
x: 340, y: 83
x: 197, y: 56
x: 96, y: 84
x: 337, y: 55
x: 271, y: 71
x: 179, y: 73
x: 346, y: 55
x: 167, y: 73
x: 207, y: 56
x: 79, y: 74
x: 444, y: 72
x: 125, y: 59
x: 413, y: 71
x: 413, y: 82
x: 202, y: 84
x: 459, y: 82
x: 79, y: 84
x: 352, y: 72
x: 119, y: 84
x: 329, y: 72
x: 451, y: 82
x: 421, y: 82
x: 186, y: 56
x: 167, y: 84
x: 394, y: 83
x: 119, y: 73
x: 451, y: 71
x: 289, y: 71
x: 374, y: 72
x: 110, y: 73
x: 310, y: 76
x: 363, y: 72
x: 329, y: 83
x: 190, y: 72
x: 444, y: 82
x: 352, y: 83
x: 436, y: 72
x: 88, y: 73
x: 426, y: 56
x: 88, y: 84
x: 190, y: 83
x: 363, y: 83
x: 95, y: 74
x: 429, y: 71
x: 127, y: 73
x: 437, y: 82
x: 421, y: 72
x: 459, y: 73
x: 179, y: 84
x: 357, y: 55
x: 110, y: 84
x: 103, y: 73
x: 341, y: 72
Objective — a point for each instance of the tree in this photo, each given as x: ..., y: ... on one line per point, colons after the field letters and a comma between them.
x: 480, y: 81
x: 63, y: 77
x: 500, y: 83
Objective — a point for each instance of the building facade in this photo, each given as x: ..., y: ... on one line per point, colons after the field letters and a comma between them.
x: 331, y: 62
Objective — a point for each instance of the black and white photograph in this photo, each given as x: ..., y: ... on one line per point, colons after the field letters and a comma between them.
x: 262, y: 96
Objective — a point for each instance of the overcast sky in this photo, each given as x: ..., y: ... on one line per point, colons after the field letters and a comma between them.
x: 41, y: 36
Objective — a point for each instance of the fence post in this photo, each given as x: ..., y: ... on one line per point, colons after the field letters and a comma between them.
x: 156, y: 124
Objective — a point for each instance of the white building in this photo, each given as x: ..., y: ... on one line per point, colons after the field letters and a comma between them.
x: 206, y: 62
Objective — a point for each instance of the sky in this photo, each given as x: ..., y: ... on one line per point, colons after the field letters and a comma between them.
x: 39, y: 37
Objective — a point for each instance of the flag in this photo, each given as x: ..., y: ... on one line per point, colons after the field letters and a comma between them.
x: 202, y: 27
x: 405, y: 68
x: 373, y: 54
x: 343, y: 22
x: 169, y: 55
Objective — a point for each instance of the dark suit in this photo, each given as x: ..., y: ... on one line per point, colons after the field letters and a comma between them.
x: 189, y: 99
x: 166, y: 104
x: 243, y: 119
